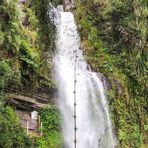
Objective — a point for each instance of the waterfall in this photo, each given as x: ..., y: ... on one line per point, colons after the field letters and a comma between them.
x: 94, y: 129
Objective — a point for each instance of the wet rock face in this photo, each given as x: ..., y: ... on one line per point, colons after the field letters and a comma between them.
x: 32, y: 125
x: 22, y: 1
x: 105, y: 81
x: 118, y: 86
x: 29, y: 101
x: 68, y: 4
x: 108, y: 85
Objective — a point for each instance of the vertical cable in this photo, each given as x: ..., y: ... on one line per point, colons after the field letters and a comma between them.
x: 75, y: 113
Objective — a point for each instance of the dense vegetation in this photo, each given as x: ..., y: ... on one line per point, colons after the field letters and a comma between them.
x: 11, y: 133
x: 114, y: 39
x: 23, y: 42
x: 52, y: 136
x: 26, y: 39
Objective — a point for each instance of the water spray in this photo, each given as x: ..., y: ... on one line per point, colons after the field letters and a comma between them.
x: 79, y: 93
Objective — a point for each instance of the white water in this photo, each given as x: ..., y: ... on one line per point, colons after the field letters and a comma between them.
x: 94, y: 129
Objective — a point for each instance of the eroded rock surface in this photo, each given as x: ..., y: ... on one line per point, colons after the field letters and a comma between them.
x: 30, y: 101
x: 68, y: 4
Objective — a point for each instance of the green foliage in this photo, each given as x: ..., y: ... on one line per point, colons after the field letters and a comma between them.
x: 114, y: 37
x: 46, y: 28
x: 25, y: 34
x: 1, y: 38
x: 9, y: 78
x: 52, y: 136
x: 11, y: 133
x: 24, y: 37
x: 5, y: 72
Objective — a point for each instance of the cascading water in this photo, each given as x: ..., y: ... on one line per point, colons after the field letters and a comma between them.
x: 74, y: 77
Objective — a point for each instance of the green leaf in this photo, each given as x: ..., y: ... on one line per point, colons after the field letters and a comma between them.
x: 2, y: 37
x: 17, y: 39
